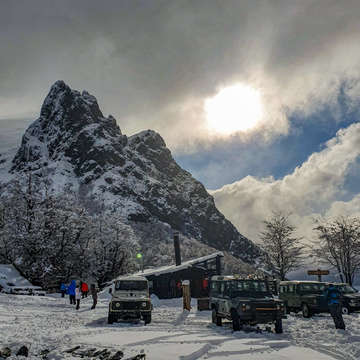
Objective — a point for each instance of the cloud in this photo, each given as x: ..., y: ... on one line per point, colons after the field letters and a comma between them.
x: 311, y: 190
x: 153, y: 64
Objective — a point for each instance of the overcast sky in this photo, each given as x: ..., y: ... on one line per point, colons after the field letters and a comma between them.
x: 153, y: 65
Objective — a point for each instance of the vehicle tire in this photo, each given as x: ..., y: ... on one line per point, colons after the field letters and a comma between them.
x: 110, y: 319
x: 278, y: 326
x: 217, y: 318
x: 345, y: 310
x: 213, y: 316
x: 147, y: 318
x: 305, y: 311
x: 286, y: 309
x: 235, y: 320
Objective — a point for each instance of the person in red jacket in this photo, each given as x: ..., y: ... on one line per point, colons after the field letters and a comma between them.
x: 84, y: 289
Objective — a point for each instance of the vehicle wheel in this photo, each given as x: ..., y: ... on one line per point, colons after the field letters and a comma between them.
x: 147, y: 318
x: 345, y: 310
x: 213, y: 316
x: 235, y: 320
x: 286, y: 309
x: 278, y: 326
x: 110, y: 319
x: 306, y: 311
x: 218, y: 319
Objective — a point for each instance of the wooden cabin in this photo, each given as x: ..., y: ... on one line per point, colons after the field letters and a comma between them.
x: 165, y: 282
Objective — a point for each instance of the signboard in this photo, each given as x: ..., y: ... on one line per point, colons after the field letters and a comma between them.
x: 318, y: 272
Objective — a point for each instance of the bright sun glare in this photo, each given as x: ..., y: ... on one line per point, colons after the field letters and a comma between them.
x: 235, y: 108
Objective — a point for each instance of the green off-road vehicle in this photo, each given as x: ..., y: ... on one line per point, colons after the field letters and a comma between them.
x: 244, y: 301
x: 305, y: 296
x: 130, y: 300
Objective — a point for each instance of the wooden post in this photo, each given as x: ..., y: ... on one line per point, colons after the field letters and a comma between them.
x: 186, y: 295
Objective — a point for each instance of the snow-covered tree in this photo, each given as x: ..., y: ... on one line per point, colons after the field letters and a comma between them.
x: 282, y: 250
x: 53, y: 237
x: 338, y: 246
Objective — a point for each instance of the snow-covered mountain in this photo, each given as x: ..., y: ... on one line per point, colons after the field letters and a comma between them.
x: 73, y: 142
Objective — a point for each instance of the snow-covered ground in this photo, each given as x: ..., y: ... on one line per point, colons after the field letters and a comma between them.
x: 52, y: 323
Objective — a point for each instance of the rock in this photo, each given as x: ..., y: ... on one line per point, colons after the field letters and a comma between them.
x: 117, y: 356
x: 137, y: 357
x: 69, y: 351
x: 44, y: 353
x: 23, y: 351
x: 5, y: 352
x: 89, y: 353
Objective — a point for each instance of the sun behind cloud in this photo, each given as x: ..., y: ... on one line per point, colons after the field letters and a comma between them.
x: 235, y: 108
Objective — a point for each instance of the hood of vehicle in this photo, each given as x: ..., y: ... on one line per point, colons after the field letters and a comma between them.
x: 355, y: 296
x: 312, y: 296
x: 129, y: 295
x: 257, y: 300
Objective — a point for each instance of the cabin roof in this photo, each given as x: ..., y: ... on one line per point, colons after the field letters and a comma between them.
x: 173, y: 268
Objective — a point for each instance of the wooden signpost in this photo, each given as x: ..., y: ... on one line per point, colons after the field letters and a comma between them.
x: 319, y: 273
x: 186, y: 295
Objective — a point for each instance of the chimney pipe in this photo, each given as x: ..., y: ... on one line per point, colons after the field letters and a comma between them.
x: 177, y: 249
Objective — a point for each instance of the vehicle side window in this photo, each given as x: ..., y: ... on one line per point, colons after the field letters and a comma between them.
x: 291, y: 288
x: 283, y: 289
x: 222, y: 288
x: 214, y: 286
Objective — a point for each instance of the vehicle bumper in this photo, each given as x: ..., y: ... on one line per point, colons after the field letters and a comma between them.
x: 354, y: 307
x: 129, y: 314
x: 316, y: 309
x: 261, y: 317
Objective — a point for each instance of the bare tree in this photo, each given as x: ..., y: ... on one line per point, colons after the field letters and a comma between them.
x: 338, y: 245
x: 283, y: 251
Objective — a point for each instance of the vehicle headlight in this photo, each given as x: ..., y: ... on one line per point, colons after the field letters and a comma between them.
x: 352, y: 302
x: 117, y: 304
x: 144, y: 304
x: 245, y: 307
x: 278, y: 307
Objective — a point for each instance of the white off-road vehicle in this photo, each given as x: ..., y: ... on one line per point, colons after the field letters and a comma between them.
x: 130, y: 300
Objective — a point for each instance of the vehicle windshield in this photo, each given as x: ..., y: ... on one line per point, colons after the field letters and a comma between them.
x: 249, y: 287
x: 131, y: 285
x: 312, y: 288
x: 346, y: 289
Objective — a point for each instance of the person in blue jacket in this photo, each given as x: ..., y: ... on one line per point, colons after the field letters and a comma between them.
x: 63, y: 289
x: 333, y: 297
x: 71, y: 292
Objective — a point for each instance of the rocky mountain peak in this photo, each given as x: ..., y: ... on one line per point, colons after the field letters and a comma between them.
x: 73, y: 143
x: 64, y: 104
x: 70, y: 125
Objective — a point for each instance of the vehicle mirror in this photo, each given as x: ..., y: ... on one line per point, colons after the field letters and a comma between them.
x: 110, y: 291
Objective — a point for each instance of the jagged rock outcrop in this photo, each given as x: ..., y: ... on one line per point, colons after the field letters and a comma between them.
x: 72, y: 142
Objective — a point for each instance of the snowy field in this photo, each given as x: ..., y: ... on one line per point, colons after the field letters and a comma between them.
x: 51, y: 323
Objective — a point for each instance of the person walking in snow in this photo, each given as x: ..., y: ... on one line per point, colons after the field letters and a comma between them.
x: 94, y: 295
x: 84, y: 289
x: 71, y: 291
x: 333, y: 297
x: 63, y: 289
x: 77, y: 296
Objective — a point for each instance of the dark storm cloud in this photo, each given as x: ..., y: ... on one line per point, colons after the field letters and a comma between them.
x: 152, y: 63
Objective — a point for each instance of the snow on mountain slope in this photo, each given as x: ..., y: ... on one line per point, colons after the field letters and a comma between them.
x: 72, y: 142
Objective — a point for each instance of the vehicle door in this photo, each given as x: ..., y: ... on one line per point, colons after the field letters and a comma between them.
x: 322, y: 300
x: 222, y: 298
x: 215, y: 293
x: 284, y: 294
x: 294, y: 295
